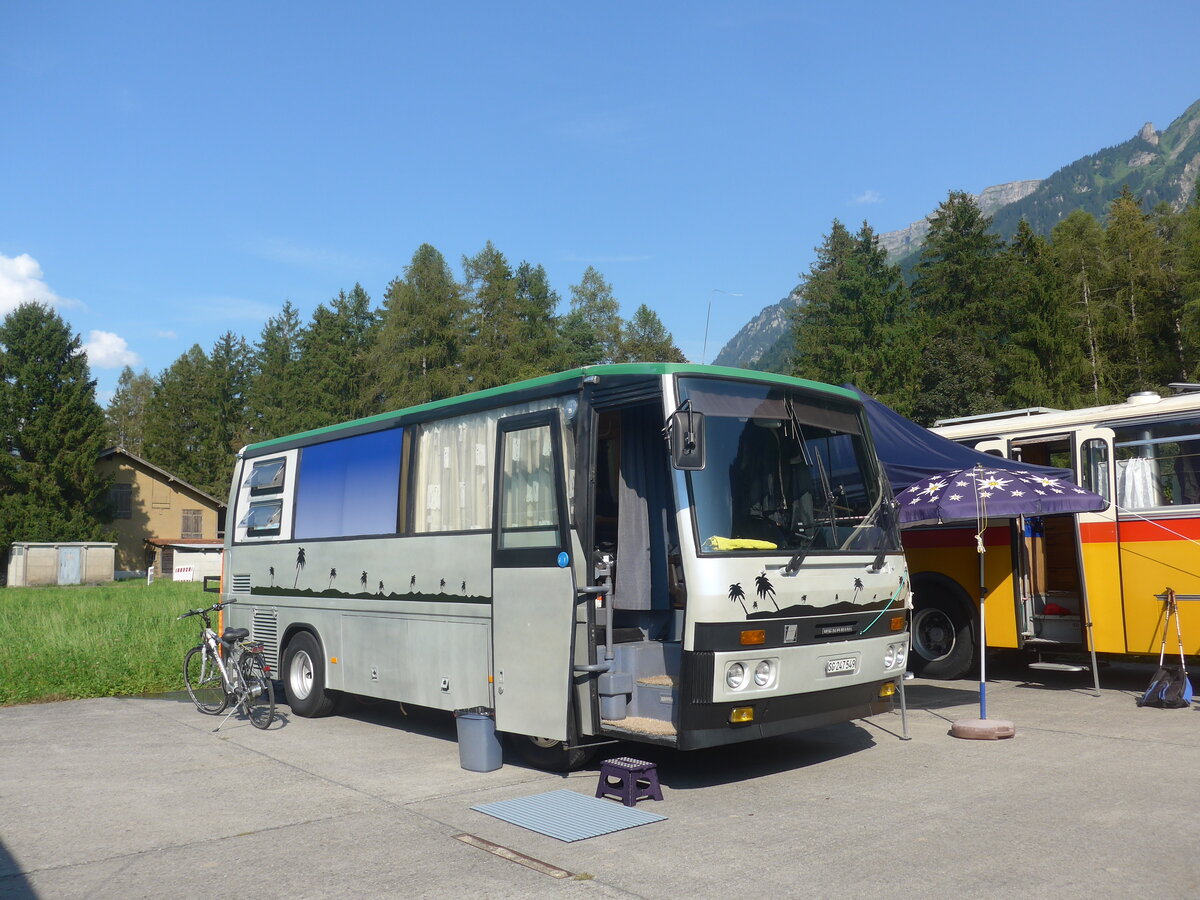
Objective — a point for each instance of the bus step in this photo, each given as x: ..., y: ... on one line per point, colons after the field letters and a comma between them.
x: 1057, y: 667
x: 1041, y: 642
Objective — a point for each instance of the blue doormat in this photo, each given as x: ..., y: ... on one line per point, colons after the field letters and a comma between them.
x: 568, y: 816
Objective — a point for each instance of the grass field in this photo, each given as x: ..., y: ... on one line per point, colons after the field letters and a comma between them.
x: 64, y: 643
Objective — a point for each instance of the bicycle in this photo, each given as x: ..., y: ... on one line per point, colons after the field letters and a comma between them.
x: 228, y: 669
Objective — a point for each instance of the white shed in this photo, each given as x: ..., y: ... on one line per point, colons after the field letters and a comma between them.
x: 60, y: 563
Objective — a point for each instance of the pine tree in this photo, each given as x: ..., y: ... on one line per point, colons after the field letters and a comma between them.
x: 645, y: 339
x: 539, y: 337
x: 126, y: 412
x: 956, y: 290
x: 593, y: 299
x: 276, y: 395
x: 854, y: 320
x: 1135, y: 277
x: 416, y: 356
x: 51, y: 432
x: 333, y: 358
x: 1042, y: 362
x: 1077, y: 249
x: 493, y: 355
x: 580, y: 345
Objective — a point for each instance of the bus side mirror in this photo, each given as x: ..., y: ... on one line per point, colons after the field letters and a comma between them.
x: 686, y: 429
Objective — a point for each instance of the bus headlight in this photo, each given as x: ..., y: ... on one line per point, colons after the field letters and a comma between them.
x: 889, y: 658
x: 901, y: 654
x: 735, y: 676
x: 762, y: 673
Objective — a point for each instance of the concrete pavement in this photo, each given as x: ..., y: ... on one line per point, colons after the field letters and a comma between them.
x: 136, y: 797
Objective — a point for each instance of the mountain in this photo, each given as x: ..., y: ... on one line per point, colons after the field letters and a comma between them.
x: 1158, y: 166
x: 757, y: 344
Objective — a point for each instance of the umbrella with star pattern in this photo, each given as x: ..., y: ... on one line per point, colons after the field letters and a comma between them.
x: 966, y: 495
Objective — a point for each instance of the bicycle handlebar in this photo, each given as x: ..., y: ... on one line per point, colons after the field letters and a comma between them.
x: 199, y: 612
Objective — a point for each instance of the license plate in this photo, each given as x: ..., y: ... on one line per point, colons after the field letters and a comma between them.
x: 840, y: 666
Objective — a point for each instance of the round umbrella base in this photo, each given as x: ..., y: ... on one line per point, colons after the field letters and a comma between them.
x: 982, y: 729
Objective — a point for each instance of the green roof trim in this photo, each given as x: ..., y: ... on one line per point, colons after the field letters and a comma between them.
x: 562, y: 378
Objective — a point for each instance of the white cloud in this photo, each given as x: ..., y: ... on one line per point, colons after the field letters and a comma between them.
x: 867, y: 196
x: 106, y: 350
x: 167, y: 335
x: 21, y: 282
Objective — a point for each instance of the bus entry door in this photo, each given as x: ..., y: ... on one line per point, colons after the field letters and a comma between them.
x: 533, y: 582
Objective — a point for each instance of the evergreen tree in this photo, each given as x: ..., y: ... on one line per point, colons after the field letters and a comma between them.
x: 1188, y: 262
x: 126, y: 412
x: 854, y: 320
x: 276, y: 395
x: 1077, y: 248
x: 580, y: 345
x: 593, y: 299
x: 537, y: 304
x: 1135, y: 277
x: 416, y: 356
x: 956, y: 290
x: 51, y: 432
x: 333, y: 360
x: 494, y: 354
x: 1044, y: 364
x: 185, y: 433
x: 645, y: 339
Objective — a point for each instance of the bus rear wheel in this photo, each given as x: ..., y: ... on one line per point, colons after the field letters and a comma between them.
x: 941, y: 638
x: 304, y: 678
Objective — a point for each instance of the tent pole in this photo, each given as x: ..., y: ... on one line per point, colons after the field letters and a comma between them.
x: 982, y: 634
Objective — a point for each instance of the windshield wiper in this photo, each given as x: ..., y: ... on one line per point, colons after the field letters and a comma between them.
x: 793, y: 565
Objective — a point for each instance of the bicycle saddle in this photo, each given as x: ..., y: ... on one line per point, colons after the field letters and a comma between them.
x: 235, y: 634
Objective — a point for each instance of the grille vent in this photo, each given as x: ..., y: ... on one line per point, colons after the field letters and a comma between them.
x: 239, y: 584
x: 264, y: 626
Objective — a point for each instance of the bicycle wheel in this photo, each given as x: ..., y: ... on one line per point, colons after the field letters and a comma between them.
x: 258, y: 701
x: 203, y: 681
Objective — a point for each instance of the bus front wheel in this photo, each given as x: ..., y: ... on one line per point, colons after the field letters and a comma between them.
x: 941, y: 638
x: 552, y: 755
x: 304, y: 678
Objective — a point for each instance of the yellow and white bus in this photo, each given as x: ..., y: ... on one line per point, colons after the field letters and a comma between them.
x: 1046, y: 576
x: 675, y: 554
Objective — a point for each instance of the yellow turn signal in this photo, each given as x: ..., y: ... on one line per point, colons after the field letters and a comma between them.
x: 754, y: 637
x: 887, y: 690
x: 897, y: 623
x: 741, y: 714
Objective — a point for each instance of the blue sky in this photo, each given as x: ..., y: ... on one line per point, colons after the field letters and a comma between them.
x: 172, y: 171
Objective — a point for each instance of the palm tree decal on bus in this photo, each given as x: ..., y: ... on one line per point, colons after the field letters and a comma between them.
x: 362, y: 581
x: 299, y: 566
x: 332, y: 575
x: 737, y: 595
x: 765, y: 589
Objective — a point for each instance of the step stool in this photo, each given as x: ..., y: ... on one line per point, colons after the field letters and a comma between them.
x: 628, y: 780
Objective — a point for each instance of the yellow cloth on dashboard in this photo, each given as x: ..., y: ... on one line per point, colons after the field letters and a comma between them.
x: 724, y: 543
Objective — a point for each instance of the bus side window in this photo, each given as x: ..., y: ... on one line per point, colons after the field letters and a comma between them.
x: 1094, y: 467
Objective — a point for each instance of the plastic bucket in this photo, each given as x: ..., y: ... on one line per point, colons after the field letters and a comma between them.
x: 479, y: 747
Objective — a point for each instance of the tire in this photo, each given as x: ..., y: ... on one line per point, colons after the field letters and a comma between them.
x: 304, y: 678
x: 259, y: 705
x: 942, y: 639
x: 203, y: 681
x: 551, y: 755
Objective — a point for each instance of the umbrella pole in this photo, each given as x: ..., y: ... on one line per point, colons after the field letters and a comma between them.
x: 982, y: 634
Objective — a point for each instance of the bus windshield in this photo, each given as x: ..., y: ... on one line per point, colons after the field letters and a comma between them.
x: 786, y: 472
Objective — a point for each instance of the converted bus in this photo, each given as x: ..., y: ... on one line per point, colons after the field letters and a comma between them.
x: 1051, y: 580
x: 675, y: 554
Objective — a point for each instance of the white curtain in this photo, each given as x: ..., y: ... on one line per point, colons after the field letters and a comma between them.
x: 1137, y: 483
x: 455, y: 464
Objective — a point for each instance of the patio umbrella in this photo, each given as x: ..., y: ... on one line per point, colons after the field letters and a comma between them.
x: 982, y: 493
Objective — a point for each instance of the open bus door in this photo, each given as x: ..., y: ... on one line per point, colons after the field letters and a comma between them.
x: 1099, y: 545
x: 533, y: 582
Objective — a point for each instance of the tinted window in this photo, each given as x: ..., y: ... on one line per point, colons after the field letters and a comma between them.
x: 349, y: 487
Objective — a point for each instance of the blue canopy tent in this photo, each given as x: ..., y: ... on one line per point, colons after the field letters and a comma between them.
x: 909, y: 452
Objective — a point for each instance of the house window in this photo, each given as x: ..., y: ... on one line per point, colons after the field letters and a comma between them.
x: 193, y: 524
x: 120, y: 498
